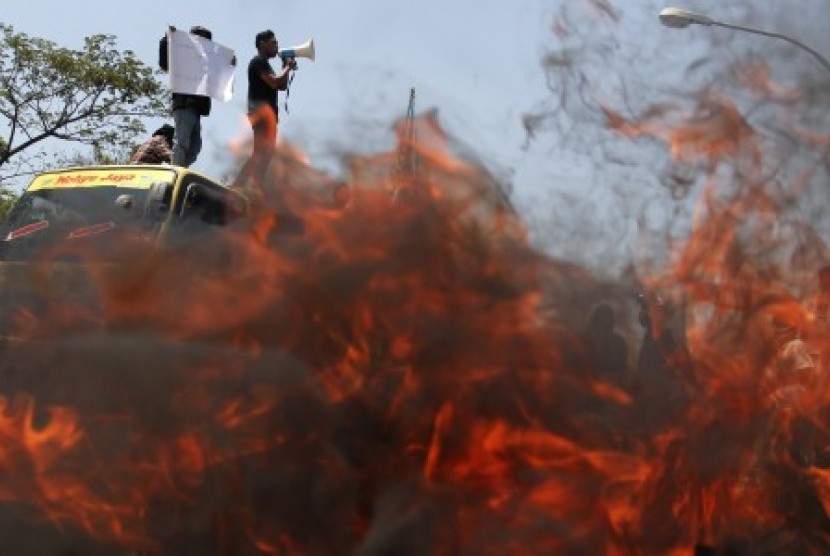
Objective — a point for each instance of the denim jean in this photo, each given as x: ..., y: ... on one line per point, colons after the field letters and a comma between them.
x: 187, y: 139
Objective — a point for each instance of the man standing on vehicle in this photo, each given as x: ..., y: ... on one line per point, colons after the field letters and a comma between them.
x: 263, y: 84
x: 187, y: 110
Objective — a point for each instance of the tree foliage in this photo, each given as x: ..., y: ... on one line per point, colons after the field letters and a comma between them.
x: 7, y: 199
x: 94, y: 97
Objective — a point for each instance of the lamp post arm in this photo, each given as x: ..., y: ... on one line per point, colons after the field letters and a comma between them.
x: 791, y: 40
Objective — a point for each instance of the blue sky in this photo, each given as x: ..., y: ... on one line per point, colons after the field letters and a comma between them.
x: 477, y: 61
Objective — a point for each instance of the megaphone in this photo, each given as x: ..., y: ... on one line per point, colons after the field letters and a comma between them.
x: 305, y: 50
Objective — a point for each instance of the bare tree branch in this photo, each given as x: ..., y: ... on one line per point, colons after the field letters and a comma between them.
x: 96, y: 95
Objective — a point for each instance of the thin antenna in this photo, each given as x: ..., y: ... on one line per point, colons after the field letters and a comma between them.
x: 407, y: 159
x: 410, y: 115
x: 407, y: 155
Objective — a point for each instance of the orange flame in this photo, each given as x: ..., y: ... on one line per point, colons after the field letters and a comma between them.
x: 404, y: 372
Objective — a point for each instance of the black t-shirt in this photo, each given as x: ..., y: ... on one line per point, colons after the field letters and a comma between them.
x: 258, y: 90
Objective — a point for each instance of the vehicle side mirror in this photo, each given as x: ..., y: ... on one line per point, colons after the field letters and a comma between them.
x: 157, y: 191
x: 192, y: 197
x: 125, y: 201
x: 158, y: 198
x: 208, y: 203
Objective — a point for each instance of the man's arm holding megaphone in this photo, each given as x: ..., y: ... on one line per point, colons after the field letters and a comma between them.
x: 289, y: 63
x: 279, y: 81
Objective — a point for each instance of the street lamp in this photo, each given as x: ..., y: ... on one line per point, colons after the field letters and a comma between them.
x: 679, y: 18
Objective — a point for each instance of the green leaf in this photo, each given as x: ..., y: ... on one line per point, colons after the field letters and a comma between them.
x: 81, y: 95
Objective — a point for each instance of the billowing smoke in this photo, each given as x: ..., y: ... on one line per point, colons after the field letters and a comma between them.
x: 388, y: 364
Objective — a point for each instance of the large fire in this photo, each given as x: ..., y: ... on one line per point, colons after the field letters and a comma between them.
x: 404, y: 374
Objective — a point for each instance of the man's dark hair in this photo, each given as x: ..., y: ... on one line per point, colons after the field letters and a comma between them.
x: 202, y: 32
x: 263, y: 36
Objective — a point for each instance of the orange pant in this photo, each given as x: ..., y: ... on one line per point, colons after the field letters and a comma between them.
x: 264, y: 124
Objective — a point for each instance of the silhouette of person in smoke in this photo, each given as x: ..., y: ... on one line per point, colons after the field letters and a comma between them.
x: 793, y: 355
x: 650, y: 358
x: 821, y: 311
x: 790, y: 377
x: 607, y: 350
x: 663, y: 365
x: 660, y: 352
x: 823, y: 298
x: 819, y: 347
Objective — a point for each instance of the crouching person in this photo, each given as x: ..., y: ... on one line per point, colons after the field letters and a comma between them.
x: 158, y: 149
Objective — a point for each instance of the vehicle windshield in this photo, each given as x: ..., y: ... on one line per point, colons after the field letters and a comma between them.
x: 87, y: 216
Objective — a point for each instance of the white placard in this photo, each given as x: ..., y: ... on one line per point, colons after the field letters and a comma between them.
x: 199, y: 66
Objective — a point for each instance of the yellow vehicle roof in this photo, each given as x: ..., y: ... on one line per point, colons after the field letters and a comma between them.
x: 134, y: 176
